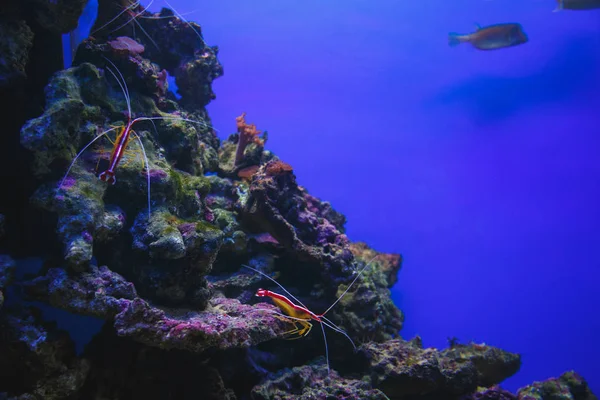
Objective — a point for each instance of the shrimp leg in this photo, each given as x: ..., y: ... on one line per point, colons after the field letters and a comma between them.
x: 81, y: 152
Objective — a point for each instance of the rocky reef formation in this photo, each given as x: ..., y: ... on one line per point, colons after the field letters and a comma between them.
x: 38, y: 360
x: 569, y: 385
x: 160, y: 255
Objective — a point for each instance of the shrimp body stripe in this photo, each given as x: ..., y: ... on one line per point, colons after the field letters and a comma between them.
x: 292, y: 309
x: 121, y: 144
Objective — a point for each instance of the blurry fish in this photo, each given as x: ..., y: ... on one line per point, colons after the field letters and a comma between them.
x: 577, y: 5
x: 491, y: 37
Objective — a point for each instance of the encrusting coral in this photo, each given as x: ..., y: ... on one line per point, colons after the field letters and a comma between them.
x: 180, y: 315
x: 247, y: 134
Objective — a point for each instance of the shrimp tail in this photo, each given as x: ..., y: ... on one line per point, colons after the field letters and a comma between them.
x: 454, y: 39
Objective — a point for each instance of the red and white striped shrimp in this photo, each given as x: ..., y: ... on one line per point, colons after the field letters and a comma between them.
x: 136, y: 11
x: 124, y: 137
x: 301, y: 314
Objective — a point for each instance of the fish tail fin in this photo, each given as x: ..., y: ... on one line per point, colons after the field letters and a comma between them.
x: 560, y: 6
x: 454, y: 39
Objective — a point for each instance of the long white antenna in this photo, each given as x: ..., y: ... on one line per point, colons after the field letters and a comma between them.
x: 348, y: 288
x: 326, y: 348
x: 122, y: 85
x: 275, y: 282
x: 81, y: 152
x: 189, y: 24
x: 324, y: 320
x: 145, y: 33
x: 166, y: 16
x: 132, y: 6
x: 336, y: 328
x: 134, y: 17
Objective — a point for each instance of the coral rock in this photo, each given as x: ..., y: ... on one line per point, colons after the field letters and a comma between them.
x: 38, y: 361
x: 7, y: 270
x: 16, y: 39
x: 313, y: 382
x: 157, y: 375
x: 180, y: 254
x: 387, y: 264
x: 228, y: 324
x: 569, y: 386
x: 492, y: 393
x: 402, y: 368
x: 277, y: 205
x: 158, y: 238
x: 493, y: 365
x: 368, y: 310
x: 179, y: 48
x: 110, y: 224
x: 99, y: 292
x: 58, y: 16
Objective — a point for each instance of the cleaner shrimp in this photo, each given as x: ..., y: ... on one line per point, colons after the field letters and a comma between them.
x: 123, y: 138
x: 299, y: 314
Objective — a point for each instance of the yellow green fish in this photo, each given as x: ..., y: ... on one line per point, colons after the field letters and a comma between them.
x: 491, y: 37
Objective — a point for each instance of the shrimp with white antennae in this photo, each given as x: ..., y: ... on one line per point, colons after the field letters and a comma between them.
x: 301, y: 314
x: 187, y: 23
x: 129, y: 10
x: 135, y: 14
x: 123, y: 138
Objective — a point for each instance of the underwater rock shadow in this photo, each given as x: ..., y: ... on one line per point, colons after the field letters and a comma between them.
x: 488, y: 99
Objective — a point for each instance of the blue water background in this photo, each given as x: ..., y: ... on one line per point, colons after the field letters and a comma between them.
x: 481, y: 168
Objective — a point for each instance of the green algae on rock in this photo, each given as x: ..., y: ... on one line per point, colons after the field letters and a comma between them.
x: 313, y: 381
x: 404, y: 369
x: 568, y: 386
x: 16, y: 42
x: 78, y: 103
x: 55, y: 134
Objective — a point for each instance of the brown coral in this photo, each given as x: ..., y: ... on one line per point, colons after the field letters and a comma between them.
x: 277, y: 167
x: 248, y: 172
x: 247, y: 134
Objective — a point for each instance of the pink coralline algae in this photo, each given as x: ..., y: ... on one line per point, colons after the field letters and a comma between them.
x: 88, y: 237
x: 102, y: 293
x: 157, y: 175
x: 68, y: 183
x: 127, y: 45
x: 277, y: 204
x: 230, y: 325
x: 161, y: 82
